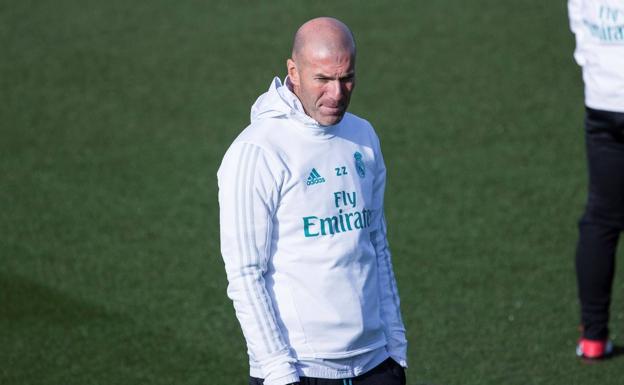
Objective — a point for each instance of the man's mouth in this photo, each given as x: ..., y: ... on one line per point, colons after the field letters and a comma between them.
x: 333, y: 109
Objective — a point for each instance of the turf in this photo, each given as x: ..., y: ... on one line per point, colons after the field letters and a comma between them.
x: 114, y: 117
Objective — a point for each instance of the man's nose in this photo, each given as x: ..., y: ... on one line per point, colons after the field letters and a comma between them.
x: 336, y: 90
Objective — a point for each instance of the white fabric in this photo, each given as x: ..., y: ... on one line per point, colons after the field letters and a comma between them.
x: 341, y: 368
x: 598, y: 26
x: 304, y: 240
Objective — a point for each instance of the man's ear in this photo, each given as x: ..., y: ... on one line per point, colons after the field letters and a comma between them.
x: 293, y: 74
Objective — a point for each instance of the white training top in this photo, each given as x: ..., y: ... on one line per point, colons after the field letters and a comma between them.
x: 303, y: 239
x: 599, y: 29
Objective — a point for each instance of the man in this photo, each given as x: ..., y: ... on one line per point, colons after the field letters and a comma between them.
x: 303, y: 234
x: 599, y: 29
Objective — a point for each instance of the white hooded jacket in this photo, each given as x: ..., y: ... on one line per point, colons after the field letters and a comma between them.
x: 598, y: 26
x: 303, y: 239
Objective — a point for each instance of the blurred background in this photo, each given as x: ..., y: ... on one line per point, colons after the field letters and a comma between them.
x: 114, y: 117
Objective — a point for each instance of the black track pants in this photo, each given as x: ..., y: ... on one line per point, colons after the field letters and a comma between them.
x: 602, y: 221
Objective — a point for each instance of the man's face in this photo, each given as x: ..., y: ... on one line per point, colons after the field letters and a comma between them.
x: 324, y: 82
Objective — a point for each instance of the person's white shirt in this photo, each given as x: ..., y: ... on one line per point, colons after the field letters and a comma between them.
x: 598, y: 26
x: 303, y: 238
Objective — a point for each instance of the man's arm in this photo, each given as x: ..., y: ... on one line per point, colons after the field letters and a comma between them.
x: 247, y: 200
x: 390, y: 303
x: 575, y: 15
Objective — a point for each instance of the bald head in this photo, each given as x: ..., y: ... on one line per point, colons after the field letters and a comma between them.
x: 322, y: 69
x: 322, y: 36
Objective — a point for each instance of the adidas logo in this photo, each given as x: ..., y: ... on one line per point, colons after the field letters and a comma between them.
x: 315, y: 178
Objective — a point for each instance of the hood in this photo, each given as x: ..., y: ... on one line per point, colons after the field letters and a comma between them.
x: 280, y: 102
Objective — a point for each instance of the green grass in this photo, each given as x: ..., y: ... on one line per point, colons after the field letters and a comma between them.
x: 114, y: 117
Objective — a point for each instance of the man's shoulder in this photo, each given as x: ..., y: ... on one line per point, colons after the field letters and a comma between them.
x: 356, y: 120
x: 251, y: 141
x: 358, y: 127
x: 357, y: 123
x: 263, y: 133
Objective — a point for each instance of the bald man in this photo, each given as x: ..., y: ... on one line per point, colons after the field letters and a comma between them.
x: 303, y: 234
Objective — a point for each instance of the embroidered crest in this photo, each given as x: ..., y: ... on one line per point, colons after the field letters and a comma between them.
x: 359, y: 164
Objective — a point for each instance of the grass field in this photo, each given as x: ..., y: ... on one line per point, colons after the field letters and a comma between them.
x: 114, y: 117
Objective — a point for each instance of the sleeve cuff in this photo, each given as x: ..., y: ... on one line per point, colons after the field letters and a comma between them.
x: 400, y: 361
x: 398, y: 354
x: 283, y: 380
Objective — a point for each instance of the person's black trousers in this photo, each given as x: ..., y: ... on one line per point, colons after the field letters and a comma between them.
x: 388, y: 372
x: 602, y: 221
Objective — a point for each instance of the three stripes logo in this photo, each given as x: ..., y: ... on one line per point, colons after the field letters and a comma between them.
x: 315, y: 178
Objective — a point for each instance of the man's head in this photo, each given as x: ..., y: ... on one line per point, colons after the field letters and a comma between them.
x: 322, y: 68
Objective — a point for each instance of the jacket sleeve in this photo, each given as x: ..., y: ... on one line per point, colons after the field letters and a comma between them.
x: 575, y: 13
x: 248, y: 196
x: 390, y: 304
